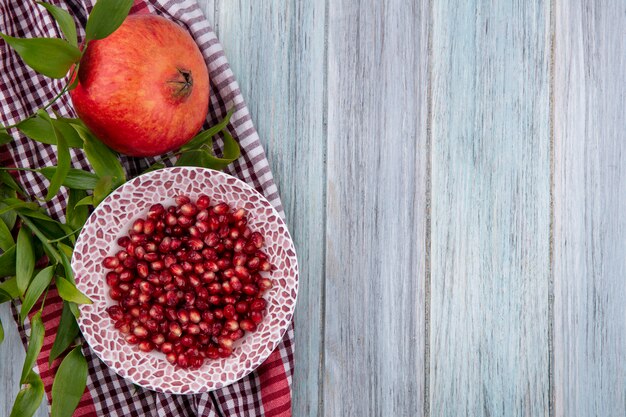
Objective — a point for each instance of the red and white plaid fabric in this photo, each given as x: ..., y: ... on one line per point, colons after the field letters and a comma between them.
x: 266, y: 392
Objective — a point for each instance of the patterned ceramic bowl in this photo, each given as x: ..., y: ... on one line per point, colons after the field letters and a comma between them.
x: 113, y: 218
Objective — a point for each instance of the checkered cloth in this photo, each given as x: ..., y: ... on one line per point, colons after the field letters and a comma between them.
x: 266, y: 392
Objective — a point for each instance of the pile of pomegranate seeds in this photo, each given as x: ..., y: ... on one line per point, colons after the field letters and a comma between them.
x: 188, y: 281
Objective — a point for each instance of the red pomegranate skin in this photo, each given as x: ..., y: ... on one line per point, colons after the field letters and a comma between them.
x: 143, y: 90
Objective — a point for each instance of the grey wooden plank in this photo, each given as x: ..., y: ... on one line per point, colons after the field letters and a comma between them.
x: 376, y: 208
x: 490, y: 233
x: 12, y: 355
x: 590, y: 207
x: 276, y: 50
x: 208, y: 7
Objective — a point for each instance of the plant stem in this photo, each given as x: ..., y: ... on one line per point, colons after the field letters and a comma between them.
x: 66, y: 236
x: 43, y: 302
x: 43, y: 238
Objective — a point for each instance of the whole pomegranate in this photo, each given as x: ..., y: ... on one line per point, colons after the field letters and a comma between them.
x: 143, y: 90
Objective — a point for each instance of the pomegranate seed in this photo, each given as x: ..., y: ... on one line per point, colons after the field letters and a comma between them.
x: 212, y: 353
x: 156, y: 312
x: 228, y: 273
x: 115, y: 294
x: 202, y: 293
x: 265, y: 266
x: 229, y: 299
x: 115, y: 312
x: 146, y: 288
x: 132, y: 339
x: 190, y: 299
x: 137, y: 240
x: 237, y: 334
x: 158, y: 339
x: 183, y: 316
x: 239, y: 245
x: 123, y: 327
x: 112, y: 279
x: 157, y: 265
x: 169, y: 260
x: 202, y: 227
x: 194, y: 257
x: 188, y: 210
x: 258, y: 304
x: 208, y: 276
x: 181, y: 200
x: 231, y: 325
x: 171, y: 358
x: 257, y: 240
x: 186, y: 341
x: 221, y: 208
x: 175, y: 329
x: 122, y: 255
x: 155, y: 210
x: 140, y: 331
x: 194, y: 280
x: 183, y: 221
x: 247, y: 325
x: 214, y: 224
x: 249, y: 248
x: 223, y: 232
x: 119, y: 269
x: 111, y: 262
x: 195, y: 244
x: 152, y: 326
x: 219, y: 314
x: 194, y: 315
x: 203, y: 201
x: 238, y: 214
x: 226, y: 288
x: 171, y: 298
x: 151, y: 257
x: 193, y: 329
x: 241, y: 307
x: 242, y: 272
x: 246, y: 232
x: 202, y: 304
x: 215, y: 288
x: 219, y: 248
x: 249, y: 289
x: 211, y: 239
x: 229, y: 311
x: 204, y: 327
x: 176, y: 243
x: 148, y: 227
x: 208, y: 316
x: 265, y: 284
x: 225, y: 342
x: 142, y: 269
x: 256, y: 316
x: 198, y: 268
x: 165, y: 277
x: 123, y: 241
x: 254, y: 263
x: 239, y: 259
x: 182, y: 361
x: 176, y: 269
x: 217, y: 328
x: 166, y: 347
x: 171, y: 219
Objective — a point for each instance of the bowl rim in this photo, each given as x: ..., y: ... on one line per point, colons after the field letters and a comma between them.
x: 266, y: 352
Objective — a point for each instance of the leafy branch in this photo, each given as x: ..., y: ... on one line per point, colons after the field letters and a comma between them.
x: 36, y: 249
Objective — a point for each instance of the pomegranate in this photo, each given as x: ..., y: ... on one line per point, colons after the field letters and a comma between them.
x: 176, y: 293
x: 143, y: 90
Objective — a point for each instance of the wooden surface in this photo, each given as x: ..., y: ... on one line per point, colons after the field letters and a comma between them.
x: 590, y: 209
x: 453, y: 174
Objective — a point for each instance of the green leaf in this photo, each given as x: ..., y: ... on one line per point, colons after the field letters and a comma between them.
x: 51, y: 57
x: 103, y: 160
x: 64, y: 20
x: 103, y: 189
x: 6, y: 239
x: 66, y: 253
x: 7, y: 179
x: 69, y: 292
x: 29, y: 397
x: 86, y: 201
x: 8, y: 262
x: 17, y: 205
x: 76, y: 178
x: 205, y: 136
x: 5, y: 137
x: 25, y: 259
x: 74, y: 309
x: 4, y: 296
x: 105, y: 17
x: 202, y: 157
x: 76, y: 216
x: 40, y: 130
x: 50, y: 250
x: 66, y: 333
x: 10, y: 287
x: 1, y: 332
x: 63, y: 159
x: 36, y: 288
x: 154, y: 167
x: 35, y: 342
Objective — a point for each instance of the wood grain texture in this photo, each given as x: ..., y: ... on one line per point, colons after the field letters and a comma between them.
x: 376, y: 206
x: 12, y: 357
x: 490, y: 233
x: 276, y: 50
x: 590, y: 208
